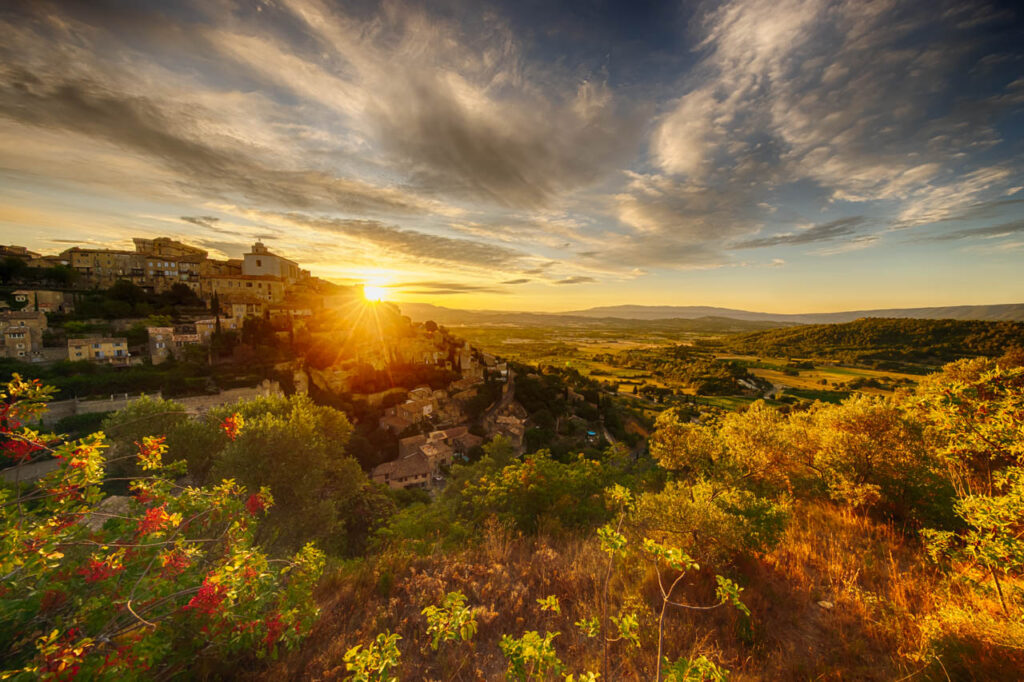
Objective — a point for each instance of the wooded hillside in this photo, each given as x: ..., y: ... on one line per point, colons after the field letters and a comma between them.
x: 931, y: 342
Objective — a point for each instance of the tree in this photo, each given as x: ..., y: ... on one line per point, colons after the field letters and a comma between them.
x: 975, y: 410
x: 524, y: 492
x: 12, y: 268
x: 123, y: 290
x: 181, y: 294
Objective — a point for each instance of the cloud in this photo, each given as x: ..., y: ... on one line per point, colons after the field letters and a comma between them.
x: 843, y: 227
x: 516, y: 281
x: 446, y: 288
x: 863, y: 241
x: 575, y: 279
x: 475, y: 122
x: 159, y: 130
x: 855, y: 99
x: 411, y: 243
x: 1001, y: 230
x: 206, y: 221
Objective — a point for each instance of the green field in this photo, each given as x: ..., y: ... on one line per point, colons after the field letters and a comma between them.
x: 584, y: 349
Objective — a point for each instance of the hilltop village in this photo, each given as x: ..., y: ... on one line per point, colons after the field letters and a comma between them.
x: 105, y: 325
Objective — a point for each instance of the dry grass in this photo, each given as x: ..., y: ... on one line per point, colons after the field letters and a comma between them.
x: 887, y: 615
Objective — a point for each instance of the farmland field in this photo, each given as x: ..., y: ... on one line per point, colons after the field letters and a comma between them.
x: 588, y: 350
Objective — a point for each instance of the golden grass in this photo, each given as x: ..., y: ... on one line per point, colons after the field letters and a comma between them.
x: 841, y: 598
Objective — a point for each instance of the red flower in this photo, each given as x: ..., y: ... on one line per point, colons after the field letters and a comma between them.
x: 255, y: 504
x: 232, y: 425
x: 274, y: 629
x: 209, y: 597
x: 98, y: 570
x: 154, y: 520
x: 21, y: 450
x: 174, y: 563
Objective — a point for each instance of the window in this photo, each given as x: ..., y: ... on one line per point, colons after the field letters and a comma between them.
x: 259, y: 263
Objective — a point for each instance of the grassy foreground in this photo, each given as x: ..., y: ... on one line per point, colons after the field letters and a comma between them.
x: 841, y: 597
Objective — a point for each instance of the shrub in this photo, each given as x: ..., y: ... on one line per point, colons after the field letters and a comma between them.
x: 141, y: 588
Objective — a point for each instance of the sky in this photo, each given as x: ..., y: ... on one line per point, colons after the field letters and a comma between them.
x: 784, y: 156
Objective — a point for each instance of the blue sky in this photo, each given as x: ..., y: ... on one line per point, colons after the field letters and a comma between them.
x: 790, y: 156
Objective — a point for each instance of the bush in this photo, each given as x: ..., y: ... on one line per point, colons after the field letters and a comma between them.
x: 135, y: 587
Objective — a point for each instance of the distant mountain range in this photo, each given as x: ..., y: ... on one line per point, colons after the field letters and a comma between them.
x: 711, y: 316
x: 1009, y: 312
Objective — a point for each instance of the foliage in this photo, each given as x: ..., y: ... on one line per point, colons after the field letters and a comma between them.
x: 376, y: 662
x: 289, y: 444
x: 976, y: 412
x: 699, y: 669
x: 76, y: 425
x: 536, y: 487
x: 141, y: 591
x: 712, y: 520
x: 531, y: 656
x: 451, y: 621
x: 871, y: 452
x: 881, y: 340
x: 141, y: 417
x: 704, y: 373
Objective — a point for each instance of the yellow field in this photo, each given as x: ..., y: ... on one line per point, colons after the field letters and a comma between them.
x: 810, y: 379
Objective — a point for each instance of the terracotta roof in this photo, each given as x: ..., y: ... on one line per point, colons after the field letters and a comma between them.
x: 416, y: 464
x: 397, y: 423
x: 436, y: 451
x: 408, y: 445
x: 468, y: 440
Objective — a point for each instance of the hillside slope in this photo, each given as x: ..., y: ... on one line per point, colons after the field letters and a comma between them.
x: 925, y: 341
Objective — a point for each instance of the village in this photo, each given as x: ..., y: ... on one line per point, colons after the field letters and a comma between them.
x: 322, y: 338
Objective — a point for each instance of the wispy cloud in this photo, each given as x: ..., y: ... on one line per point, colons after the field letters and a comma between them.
x: 987, y: 232
x: 411, y: 243
x: 446, y: 288
x: 843, y: 227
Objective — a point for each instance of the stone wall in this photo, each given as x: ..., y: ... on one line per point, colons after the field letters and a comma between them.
x: 194, y: 404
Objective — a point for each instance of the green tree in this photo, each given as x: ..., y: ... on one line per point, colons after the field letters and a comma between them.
x: 975, y: 410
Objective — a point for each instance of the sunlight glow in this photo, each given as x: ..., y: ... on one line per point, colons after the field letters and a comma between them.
x: 375, y: 293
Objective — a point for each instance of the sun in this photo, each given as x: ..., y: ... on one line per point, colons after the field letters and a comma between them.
x: 374, y: 293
